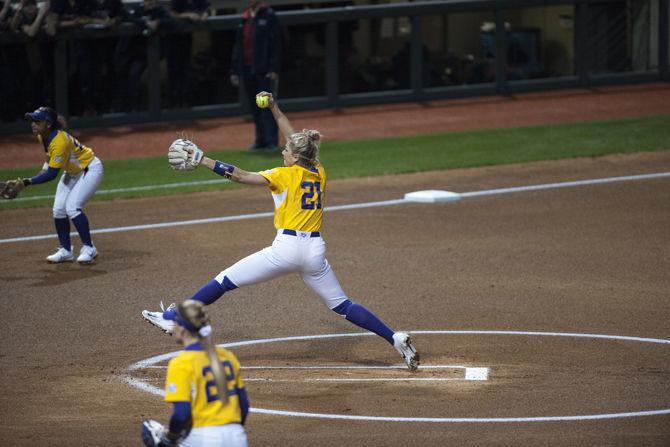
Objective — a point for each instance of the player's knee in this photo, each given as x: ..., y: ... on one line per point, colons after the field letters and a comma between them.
x: 59, y: 212
x: 343, y: 308
x: 72, y: 211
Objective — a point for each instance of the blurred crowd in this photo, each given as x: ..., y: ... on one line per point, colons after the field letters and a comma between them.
x: 104, y: 71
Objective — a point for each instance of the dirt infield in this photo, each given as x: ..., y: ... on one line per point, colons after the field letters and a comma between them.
x: 590, y: 260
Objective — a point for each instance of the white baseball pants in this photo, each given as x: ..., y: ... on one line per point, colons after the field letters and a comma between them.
x: 229, y: 435
x: 74, y: 191
x: 302, y: 253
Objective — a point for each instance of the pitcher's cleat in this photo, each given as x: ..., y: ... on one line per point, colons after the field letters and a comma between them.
x: 156, y: 318
x: 403, y: 344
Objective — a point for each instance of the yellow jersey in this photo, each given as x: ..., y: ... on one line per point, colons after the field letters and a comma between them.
x: 190, y: 379
x: 66, y: 152
x: 299, y: 195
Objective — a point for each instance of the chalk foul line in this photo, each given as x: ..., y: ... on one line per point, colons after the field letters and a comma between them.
x: 131, y: 189
x: 518, y: 189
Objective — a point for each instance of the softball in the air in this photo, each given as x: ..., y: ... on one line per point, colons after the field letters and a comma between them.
x: 262, y: 101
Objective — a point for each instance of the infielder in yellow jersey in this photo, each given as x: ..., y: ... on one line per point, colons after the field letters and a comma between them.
x: 82, y: 174
x: 201, y: 415
x: 299, y: 191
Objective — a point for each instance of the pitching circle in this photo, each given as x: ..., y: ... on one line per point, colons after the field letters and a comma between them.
x: 163, y: 357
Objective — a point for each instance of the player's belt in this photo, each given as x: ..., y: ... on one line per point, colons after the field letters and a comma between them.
x: 295, y: 233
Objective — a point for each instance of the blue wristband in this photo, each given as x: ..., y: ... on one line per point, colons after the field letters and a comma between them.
x: 223, y: 169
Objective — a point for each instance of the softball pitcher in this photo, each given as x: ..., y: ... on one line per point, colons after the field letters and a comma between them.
x: 202, y: 415
x: 298, y: 190
x: 82, y: 173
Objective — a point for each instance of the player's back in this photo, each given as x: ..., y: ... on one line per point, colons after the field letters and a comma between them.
x: 299, y: 195
x: 192, y: 367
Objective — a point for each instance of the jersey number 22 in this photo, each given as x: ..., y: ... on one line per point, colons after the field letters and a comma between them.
x: 210, y: 385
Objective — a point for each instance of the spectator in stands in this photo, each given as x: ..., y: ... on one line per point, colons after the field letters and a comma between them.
x: 72, y: 14
x: 131, y: 52
x: 104, y: 14
x: 255, y: 61
x: 91, y: 57
x: 401, y: 65
x: 30, y: 60
x: 148, y: 16
x: 66, y: 14
x: 179, y: 47
x: 346, y: 49
x: 28, y: 17
x: 5, y: 14
x: 8, y: 78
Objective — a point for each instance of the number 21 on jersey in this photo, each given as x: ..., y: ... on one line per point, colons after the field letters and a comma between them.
x: 310, y: 190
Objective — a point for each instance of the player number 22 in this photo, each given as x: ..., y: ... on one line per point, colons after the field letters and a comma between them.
x: 210, y: 385
x: 309, y: 202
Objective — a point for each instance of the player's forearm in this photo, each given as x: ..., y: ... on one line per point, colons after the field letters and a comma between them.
x: 233, y: 172
x: 282, y: 121
x: 180, y: 420
x: 44, y: 176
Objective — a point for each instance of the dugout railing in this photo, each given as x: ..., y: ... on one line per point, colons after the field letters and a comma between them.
x: 600, y: 54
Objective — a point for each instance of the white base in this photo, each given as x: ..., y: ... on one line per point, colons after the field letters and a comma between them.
x: 432, y: 196
x: 476, y: 373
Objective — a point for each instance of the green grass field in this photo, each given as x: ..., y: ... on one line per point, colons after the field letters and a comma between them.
x: 153, y: 177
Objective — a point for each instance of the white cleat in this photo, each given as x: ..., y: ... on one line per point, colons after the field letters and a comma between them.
x: 156, y: 318
x: 403, y: 344
x: 62, y: 255
x: 87, y: 254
